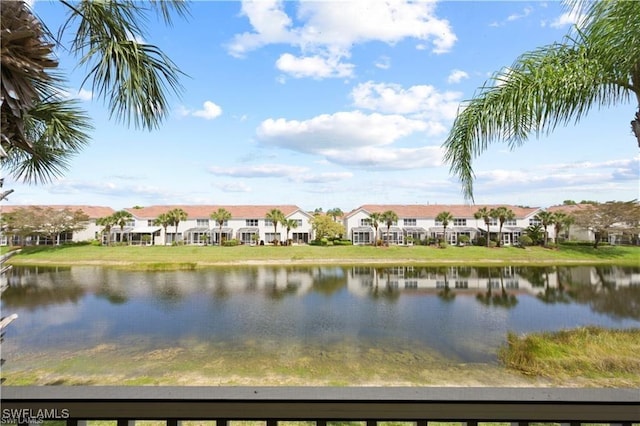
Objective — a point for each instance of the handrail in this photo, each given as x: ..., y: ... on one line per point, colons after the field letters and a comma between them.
x: 327, y: 403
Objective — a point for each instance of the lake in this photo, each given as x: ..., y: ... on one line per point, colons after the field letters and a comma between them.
x: 229, y: 320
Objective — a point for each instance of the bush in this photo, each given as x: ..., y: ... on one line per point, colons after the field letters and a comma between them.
x: 442, y: 244
x: 340, y: 242
x: 464, y: 239
x: 481, y: 241
x: 231, y: 243
x: 525, y: 241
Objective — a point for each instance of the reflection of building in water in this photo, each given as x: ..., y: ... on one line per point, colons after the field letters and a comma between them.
x: 362, y: 279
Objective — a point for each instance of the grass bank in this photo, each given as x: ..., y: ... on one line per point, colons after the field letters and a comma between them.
x: 582, y: 356
x: 190, y: 257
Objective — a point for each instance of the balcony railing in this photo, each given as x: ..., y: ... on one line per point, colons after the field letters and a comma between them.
x: 320, y: 404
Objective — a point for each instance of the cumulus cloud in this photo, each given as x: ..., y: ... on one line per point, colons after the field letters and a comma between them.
x: 421, y: 101
x: 568, y: 18
x: 456, y: 76
x: 291, y: 173
x: 383, y: 62
x: 388, y: 158
x: 336, y: 131
x: 326, y: 33
x: 209, y: 111
x: 68, y: 187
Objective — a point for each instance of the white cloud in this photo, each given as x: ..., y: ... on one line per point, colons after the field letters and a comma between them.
x: 327, y: 33
x: 516, y: 16
x: 456, y: 76
x: 232, y: 186
x: 209, y: 111
x: 337, y: 131
x: 291, y: 173
x: 384, y: 63
x: 313, y: 66
x: 324, y: 177
x: 388, y: 158
x: 422, y: 101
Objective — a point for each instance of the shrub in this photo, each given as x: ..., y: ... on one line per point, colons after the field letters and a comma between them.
x: 464, y: 239
x: 442, y: 244
x: 481, y: 241
x: 231, y: 243
x: 340, y: 242
x: 526, y: 241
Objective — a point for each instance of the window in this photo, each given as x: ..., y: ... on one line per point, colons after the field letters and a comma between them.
x: 462, y: 284
x: 534, y: 221
x: 151, y: 222
x: 251, y: 222
x: 511, y: 222
x: 202, y: 223
x: 131, y: 223
x: 459, y: 222
x: 299, y: 222
x: 365, y: 222
x: 493, y: 221
x: 268, y: 222
x: 410, y: 222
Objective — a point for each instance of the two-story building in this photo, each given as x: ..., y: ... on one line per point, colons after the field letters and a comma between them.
x: 417, y: 223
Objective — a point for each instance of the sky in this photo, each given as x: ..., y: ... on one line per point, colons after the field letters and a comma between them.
x: 331, y: 104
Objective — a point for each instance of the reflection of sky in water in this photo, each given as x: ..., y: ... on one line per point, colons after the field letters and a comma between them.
x: 83, y: 307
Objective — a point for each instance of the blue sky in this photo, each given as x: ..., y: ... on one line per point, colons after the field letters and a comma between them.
x: 337, y: 104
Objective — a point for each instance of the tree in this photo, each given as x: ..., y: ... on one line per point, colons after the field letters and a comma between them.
x: 595, y: 65
x: 502, y: 214
x: 176, y: 216
x: 535, y: 233
x: 602, y: 218
x: 108, y: 222
x: 546, y: 219
x: 335, y: 213
x: 484, y: 214
x: 47, y: 222
x: 221, y: 216
x: 389, y: 217
x: 121, y: 218
x: 325, y: 227
x: 289, y: 224
x: 164, y: 220
x: 445, y: 218
x: 559, y: 220
x: 40, y: 129
x: 376, y: 218
x: 275, y: 216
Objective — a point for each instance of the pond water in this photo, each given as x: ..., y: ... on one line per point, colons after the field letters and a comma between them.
x: 461, y: 313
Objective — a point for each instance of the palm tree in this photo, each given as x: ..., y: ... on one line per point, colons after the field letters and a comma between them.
x: 502, y: 214
x: 546, y: 218
x: 108, y: 222
x: 335, y: 213
x: 40, y: 132
x: 121, y: 218
x: 163, y: 220
x: 445, y: 218
x: 389, y: 218
x: 176, y: 216
x: 559, y: 220
x: 221, y: 216
x: 275, y: 216
x: 376, y: 218
x: 289, y: 224
x: 595, y: 66
x: 484, y: 214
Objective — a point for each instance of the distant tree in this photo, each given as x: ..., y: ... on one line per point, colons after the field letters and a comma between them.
x: 484, y: 214
x: 177, y: 215
x: 559, y: 220
x: 275, y: 216
x: 318, y: 210
x: 289, y: 224
x: 376, y: 218
x: 325, y: 227
x: 445, y: 218
x: 601, y: 218
x: 220, y: 217
x: 389, y: 217
x: 569, y: 203
x: 502, y: 214
x: 47, y: 222
x: 546, y: 219
x: 121, y: 218
x: 335, y: 213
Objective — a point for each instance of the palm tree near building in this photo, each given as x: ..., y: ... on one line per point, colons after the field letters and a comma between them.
x: 445, y: 218
x: 164, y: 220
x: 41, y: 131
x: 389, y: 218
x: 121, y: 218
x: 502, y: 214
x: 289, y: 224
x: 559, y: 220
x: 546, y: 219
x: 275, y: 216
x: 176, y: 216
x: 335, y: 213
x: 567, y: 222
x: 221, y: 216
x: 484, y: 214
x: 108, y: 222
x: 375, y: 218
x: 596, y: 65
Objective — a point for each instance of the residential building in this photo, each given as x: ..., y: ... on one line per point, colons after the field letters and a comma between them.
x: 417, y: 223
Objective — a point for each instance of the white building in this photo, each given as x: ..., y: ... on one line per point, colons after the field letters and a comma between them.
x: 417, y: 223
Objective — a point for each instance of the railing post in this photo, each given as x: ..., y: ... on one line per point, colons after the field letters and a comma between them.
x: 222, y: 422
x: 272, y: 422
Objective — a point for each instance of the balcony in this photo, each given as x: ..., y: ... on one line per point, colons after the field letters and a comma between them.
x: 319, y: 404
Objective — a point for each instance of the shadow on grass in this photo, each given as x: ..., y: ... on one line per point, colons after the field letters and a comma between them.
x: 28, y: 250
x: 605, y: 252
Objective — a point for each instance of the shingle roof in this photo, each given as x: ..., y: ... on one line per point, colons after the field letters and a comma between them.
x: 568, y: 209
x: 94, y: 212
x: 432, y: 210
x: 204, y: 211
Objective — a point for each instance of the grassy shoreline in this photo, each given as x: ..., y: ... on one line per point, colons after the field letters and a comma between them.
x: 191, y: 257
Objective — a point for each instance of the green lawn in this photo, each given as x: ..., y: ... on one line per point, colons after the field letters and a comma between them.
x: 198, y: 256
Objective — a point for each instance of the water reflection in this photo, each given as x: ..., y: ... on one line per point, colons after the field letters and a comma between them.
x: 463, y: 311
